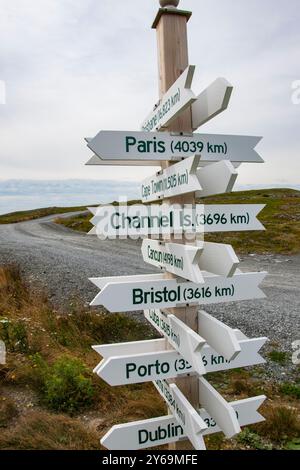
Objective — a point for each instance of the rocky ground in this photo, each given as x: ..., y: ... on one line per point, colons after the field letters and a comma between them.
x: 61, y: 261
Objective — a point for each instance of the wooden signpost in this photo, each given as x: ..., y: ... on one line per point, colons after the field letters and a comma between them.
x: 194, y: 272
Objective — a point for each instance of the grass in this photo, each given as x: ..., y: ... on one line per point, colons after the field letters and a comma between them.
x: 39, y: 430
x: 281, y: 218
x: 280, y: 357
x: 50, y: 361
x: 291, y: 389
x: 23, y: 216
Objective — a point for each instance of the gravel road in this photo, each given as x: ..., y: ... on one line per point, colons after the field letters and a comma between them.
x: 62, y: 260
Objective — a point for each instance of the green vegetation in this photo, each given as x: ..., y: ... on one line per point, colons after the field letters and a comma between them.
x: 49, y: 371
x: 39, y: 430
x: 24, y: 216
x: 281, y: 218
x: 291, y: 389
x: 252, y: 440
x: 280, y: 357
x: 66, y: 385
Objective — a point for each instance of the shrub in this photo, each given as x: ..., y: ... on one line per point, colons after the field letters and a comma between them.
x: 14, y: 335
x: 281, y: 424
x: 67, y: 386
x: 278, y: 356
x: 253, y: 440
x: 292, y: 390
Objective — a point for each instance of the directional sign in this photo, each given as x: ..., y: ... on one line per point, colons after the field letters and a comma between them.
x: 218, y: 335
x: 160, y: 146
x: 140, y: 220
x: 182, y: 260
x: 218, y: 408
x: 185, y: 414
x: 184, y: 177
x: 211, y: 102
x: 188, y: 261
x: 124, y: 294
x: 166, y: 430
x: 188, y: 343
x: 217, y: 258
x: 175, y: 100
x: 128, y: 363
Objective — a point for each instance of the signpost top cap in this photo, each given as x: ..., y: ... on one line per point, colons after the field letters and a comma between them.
x: 169, y: 3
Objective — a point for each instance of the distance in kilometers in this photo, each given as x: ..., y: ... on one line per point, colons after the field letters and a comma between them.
x: 133, y: 293
x: 127, y: 145
x: 142, y: 220
x: 130, y: 363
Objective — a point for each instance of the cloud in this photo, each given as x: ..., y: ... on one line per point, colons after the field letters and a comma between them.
x: 73, y: 67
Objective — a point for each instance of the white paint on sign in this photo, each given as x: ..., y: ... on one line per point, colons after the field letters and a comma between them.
x: 126, y: 296
x: 218, y: 408
x: 218, y: 258
x: 128, y: 363
x: 216, y: 178
x: 178, y: 97
x: 218, y: 335
x: 139, y: 220
x: 183, y: 178
x: 187, y: 261
x: 166, y: 430
x: 211, y: 102
x: 185, y: 414
x: 181, y: 260
x: 154, y: 147
x: 182, y: 338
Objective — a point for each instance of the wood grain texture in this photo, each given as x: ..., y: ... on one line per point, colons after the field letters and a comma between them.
x: 173, y: 59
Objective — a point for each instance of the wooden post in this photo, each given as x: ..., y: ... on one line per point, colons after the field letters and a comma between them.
x: 171, y: 28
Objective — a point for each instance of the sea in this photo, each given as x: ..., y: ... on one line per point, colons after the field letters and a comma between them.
x: 21, y: 195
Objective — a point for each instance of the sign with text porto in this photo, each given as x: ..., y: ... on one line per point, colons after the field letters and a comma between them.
x: 175, y: 100
x: 145, y: 361
x: 161, y: 146
x: 185, y: 177
x: 133, y: 293
x: 166, y: 430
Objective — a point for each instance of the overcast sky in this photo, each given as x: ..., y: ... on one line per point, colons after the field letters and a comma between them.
x: 74, y: 67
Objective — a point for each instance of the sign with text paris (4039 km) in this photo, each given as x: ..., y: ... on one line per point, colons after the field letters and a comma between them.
x: 159, y: 146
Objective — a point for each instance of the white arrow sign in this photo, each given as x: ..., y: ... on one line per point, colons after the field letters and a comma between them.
x: 188, y: 343
x: 184, y: 178
x: 159, y: 146
x: 211, y: 102
x: 144, y: 361
x: 218, y: 335
x: 186, y: 415
x: 124, y: 294
x: 140, y: 220
x: 166, y: 430
x: 175, y: 100
x: 182, y: 260
x: 218, y: 408
x: 188, y: 261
